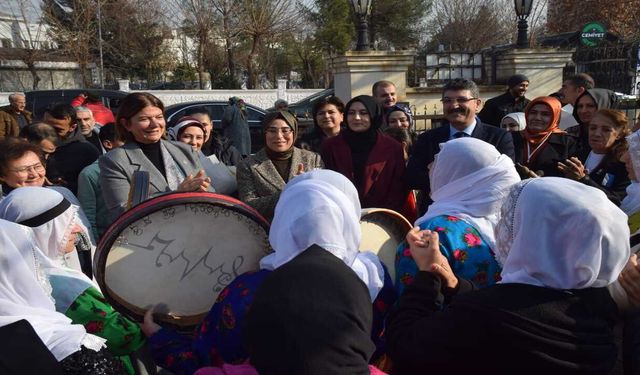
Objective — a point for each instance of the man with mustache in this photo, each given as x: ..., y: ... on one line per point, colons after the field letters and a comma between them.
x: 513, y: 100
x: 460, y: 103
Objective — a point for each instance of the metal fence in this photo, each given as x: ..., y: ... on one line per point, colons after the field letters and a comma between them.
x: 426, y: 118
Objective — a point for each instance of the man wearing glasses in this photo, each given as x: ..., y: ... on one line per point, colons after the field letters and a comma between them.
x: 460, y: 103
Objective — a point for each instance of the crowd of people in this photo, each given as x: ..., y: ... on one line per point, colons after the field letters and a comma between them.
x: 522, y: 257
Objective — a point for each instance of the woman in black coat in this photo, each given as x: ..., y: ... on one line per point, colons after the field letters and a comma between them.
x: 601, y: 166
x: 328, y: 115
x: 542, y: 143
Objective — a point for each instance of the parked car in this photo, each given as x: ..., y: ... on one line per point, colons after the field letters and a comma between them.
x: 216, y: 108
x: 38, y: 101
x: 303, y: 108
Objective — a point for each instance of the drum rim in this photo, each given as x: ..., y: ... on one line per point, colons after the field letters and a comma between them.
x: 146, y: 208
x: 395, y: 214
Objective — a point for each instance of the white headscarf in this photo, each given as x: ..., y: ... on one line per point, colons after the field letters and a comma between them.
x: 23, y: 296
x: 28, y: 202
x: 631, y: 203
x: 50, y: 239
x: 533, y: 242
x: 517, y: 117
x: 470, y: 179
x: 322, y: 207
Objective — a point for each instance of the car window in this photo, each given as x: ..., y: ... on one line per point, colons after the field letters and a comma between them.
x: 216, y: 111
x: 177, y: 115
x: 41, y: 103
x: 113, y: 103
x: 254, y: 115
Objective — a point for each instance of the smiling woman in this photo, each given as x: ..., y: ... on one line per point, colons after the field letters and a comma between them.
x: 542, y: 143
x: 328, y: 115
x: 373, y: 161
x: 21, y: 164
x: 602, y: 167
x: 262, y: 176
x: 172, y: 166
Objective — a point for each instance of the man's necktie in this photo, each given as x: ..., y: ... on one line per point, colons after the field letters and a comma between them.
x: 460, y: 135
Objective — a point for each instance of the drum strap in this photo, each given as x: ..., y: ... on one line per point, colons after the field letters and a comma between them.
x: 139, y: 190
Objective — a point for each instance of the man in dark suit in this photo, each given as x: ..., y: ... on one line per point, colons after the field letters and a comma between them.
x: 460, y: 102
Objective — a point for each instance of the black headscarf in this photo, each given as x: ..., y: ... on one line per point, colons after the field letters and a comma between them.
x: 363, y: 141
x: 311, y: 316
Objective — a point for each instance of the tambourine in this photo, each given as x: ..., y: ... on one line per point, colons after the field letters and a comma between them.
x: 382, y: 231
x: 177, y: 252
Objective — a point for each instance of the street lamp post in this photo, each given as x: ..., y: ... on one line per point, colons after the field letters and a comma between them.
x: 361, y: 9
x: 100, y: 46
x: 523, y: 9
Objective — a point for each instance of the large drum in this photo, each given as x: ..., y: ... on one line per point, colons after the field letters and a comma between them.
x: 177, y: 252
x: 382, y: 231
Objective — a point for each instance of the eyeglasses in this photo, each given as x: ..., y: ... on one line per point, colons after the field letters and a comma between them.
x: 37, y: 167
x: 460, y: 100
x: 284, y: 131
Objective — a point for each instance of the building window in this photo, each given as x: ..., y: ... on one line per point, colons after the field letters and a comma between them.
x: 6, y: 43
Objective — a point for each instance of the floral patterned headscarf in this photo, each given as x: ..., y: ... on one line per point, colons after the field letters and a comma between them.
x: 402, y: 108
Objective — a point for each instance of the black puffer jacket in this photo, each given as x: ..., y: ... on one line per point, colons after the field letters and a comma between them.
x: 72, y: 155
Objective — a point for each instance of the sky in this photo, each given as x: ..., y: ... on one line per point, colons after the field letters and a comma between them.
x: 33, y: 6
x: 12, y: 7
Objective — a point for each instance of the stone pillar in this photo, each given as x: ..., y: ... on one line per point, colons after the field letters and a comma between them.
x: 123, y: 85
x: 282, y: 89
x: 543, y: 66
x: 356, y: 71
x: 206, y: 81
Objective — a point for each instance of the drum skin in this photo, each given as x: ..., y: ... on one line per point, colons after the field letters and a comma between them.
x: 177, y: 252
x: 382, y: 231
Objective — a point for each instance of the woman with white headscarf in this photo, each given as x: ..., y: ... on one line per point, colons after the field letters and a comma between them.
x: 626, y: 292
x: 53, y: 222
x: 631, y: 202
x: 320, y: 207
x: 513, y: 122
x: 551, y: 313
x: 23, y: 164
x: 25, y: 294
x: 469, y: 181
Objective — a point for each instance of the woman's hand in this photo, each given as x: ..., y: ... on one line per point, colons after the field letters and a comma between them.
x: 300, y: 170
x: 630, y: 280
x: 149, y: 326
x: 572, y: 168
x: 198, y: 183
x: 425, y: 250
x: 525, y: 172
